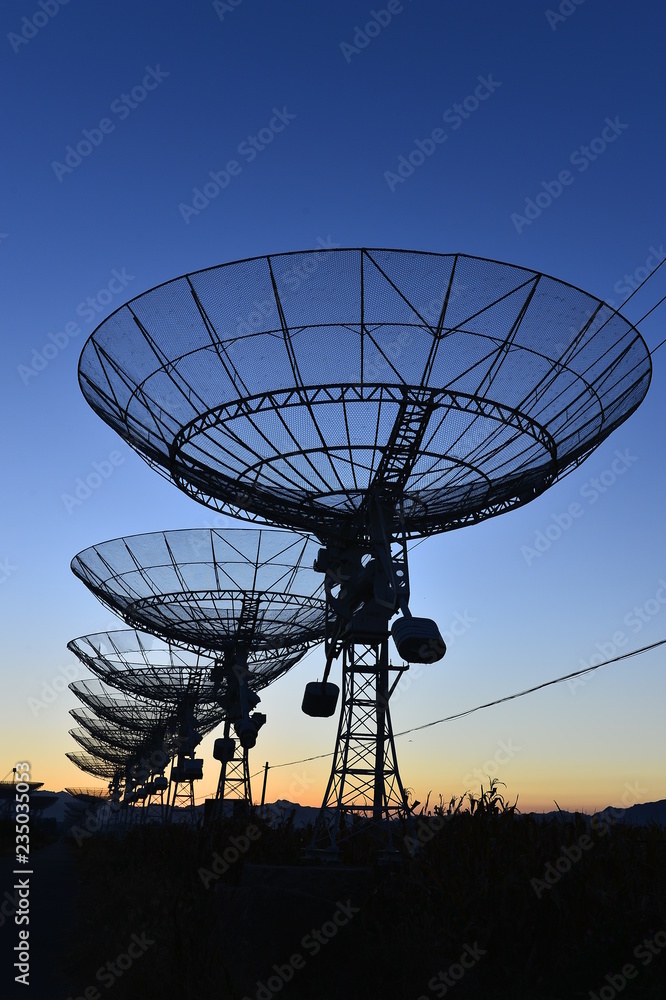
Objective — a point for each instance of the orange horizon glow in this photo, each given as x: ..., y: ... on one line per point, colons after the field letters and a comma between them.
x: 528, y: 801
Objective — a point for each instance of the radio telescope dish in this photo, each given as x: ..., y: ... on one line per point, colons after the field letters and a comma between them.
x: 212, y: 589
x: 122, y: 730
x: 87, y: 794
x: 92, y: 764
x: 86, y: 804
x: 465, y: 386
x: 247, y: 596
x: 109, y: 750
x: 127, y: 772
x: 154, y: 733
x: 148, y: 667
x: 152, y: 669
x: 388, y: 395
x: 106, y: 704
x: 116, y: 734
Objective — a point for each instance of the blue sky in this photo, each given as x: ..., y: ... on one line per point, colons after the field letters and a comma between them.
x: 559, y: 111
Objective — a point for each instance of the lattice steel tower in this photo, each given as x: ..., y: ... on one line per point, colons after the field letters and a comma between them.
x: 390, y: 395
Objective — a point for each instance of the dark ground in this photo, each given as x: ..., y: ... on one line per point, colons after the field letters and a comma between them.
x: 53, y: 892
x: 472, y: 915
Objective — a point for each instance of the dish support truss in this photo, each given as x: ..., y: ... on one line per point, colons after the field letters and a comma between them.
x: 516, y: 410
x: 234, y: 781
x: 365, y: 781
x: 367, y: 582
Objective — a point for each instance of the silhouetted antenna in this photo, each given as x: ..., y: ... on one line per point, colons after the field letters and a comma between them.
x: 143, y: 735
x: 90, y: 809
x: 392, y: 395
x: 120, y: 776
x: 87, y: 794
x: 245, y: 602
x: 153, y: 670
x: 212, y: 589
x: 92, y: 764
x: 105, y: 749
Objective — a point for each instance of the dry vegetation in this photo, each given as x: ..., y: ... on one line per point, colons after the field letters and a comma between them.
x: 471, y: 883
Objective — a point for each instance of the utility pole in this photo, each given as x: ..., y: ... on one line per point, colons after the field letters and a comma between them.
x: 263, y: 790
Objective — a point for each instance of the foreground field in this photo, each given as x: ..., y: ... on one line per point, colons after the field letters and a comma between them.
x: 481, y: 902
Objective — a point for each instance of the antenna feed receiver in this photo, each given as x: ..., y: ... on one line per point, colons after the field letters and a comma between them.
x: 247, y: 729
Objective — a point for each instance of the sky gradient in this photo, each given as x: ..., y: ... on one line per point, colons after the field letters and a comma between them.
x: 142, y: 143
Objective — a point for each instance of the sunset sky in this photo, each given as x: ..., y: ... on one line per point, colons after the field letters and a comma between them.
x: 145, y: 141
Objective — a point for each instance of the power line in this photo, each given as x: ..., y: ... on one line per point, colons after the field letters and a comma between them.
x: 650, y: 311
x: 661, y: 344
x: 638, y: 288
x: 289, y: 763
x: 537, y: 687
x: 490, y: 704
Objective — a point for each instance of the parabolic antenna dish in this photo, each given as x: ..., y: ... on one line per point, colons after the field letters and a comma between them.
x: 212, y: 589
x: 116, y: 731
x: 289, y: 388
x: 87, y: 794
x: 135, y: 746
x: 108, y: 704
x: 117, y: 734
x: 145, y: 666
x: 140, y: 717
x: 92, y: 764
